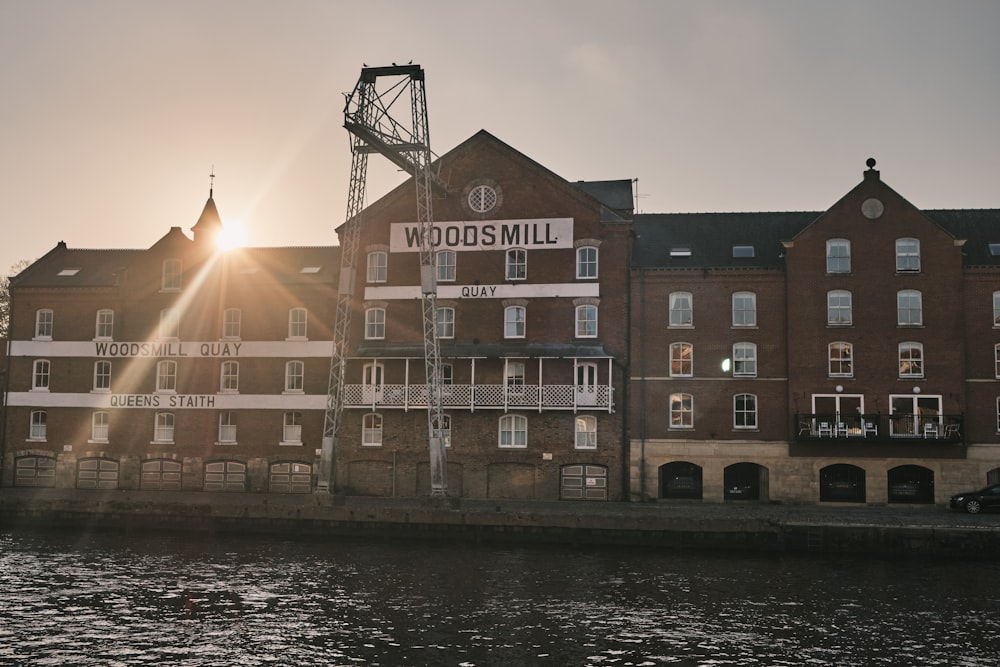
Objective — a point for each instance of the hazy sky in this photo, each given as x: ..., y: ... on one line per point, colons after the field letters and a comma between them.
x: 113, y: 113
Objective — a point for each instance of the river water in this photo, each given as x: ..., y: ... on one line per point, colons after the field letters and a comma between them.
x: 81, y: 598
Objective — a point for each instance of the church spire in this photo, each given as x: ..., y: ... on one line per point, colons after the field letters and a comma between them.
x: 209, y: 224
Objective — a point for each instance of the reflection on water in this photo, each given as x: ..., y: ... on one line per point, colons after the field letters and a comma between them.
x: 112, y: 599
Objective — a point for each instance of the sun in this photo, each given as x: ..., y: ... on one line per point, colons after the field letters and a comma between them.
x: 233, y: 235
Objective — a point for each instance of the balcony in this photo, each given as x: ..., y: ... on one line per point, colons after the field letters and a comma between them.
x: 916, y: 432
x: 474, y: 397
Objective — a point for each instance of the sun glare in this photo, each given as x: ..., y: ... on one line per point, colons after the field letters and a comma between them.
x: 233, y: 235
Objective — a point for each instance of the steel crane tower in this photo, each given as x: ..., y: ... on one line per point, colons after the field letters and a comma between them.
x: 368, y: 116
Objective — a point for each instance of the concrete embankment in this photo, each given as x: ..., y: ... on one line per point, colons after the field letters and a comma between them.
x: 764, y: 528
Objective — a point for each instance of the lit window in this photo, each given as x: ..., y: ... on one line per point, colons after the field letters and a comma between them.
x: 841, y: 359
x: 681, y: 360
x: 41, y: 371
x: 744, y: 309
x: 227, y: 427
x: 517, y: 264
x: 292, y: 430
x: 105, y: 327
x: 911, y: 360
x: 229, y: 381
x: 838, y: 256
x: 171, y: 275
x: 586, y: 321
x: 444, y: 319
x: 166, y: 376
x: 586, y: 432
x: 163, y: 431
x: 102, y: 376
x: 514, y: 431
x: 681, y: 411
x: 99, y: 427
x: 513, y: 322
x: 43, y: 324
x: 378, y: 263
x: 297, y: 320
x: 839, y: 310
x: 745, y: 411
x: 586, y: 262
x: 681, y: 313
x: 745, y: 359
x: 446, y: 261
x: 908, y: 255
x: 231, y: 320
x: 294, y: 377
x: 375, y: 324
x: 170, y: 323
x: 371, y: 432
x: 909, y: 308
x: 39, y: 425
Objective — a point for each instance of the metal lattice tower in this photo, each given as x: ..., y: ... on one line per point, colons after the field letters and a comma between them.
x: 368, y: 117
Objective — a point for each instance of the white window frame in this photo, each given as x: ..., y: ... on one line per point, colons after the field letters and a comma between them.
x: 38, y: 426
x: 843, y: 359
x: 681, y: 410
x: 907, y: 255
x: 375, y: 324
x: 444, y: 322
x: 102, y: 376
x: 744, y: 309
x: 447, y: 265
x: 170, y: 324
x: 838, y: 256
x: 679, y: 366
x: 378, y: 267
x: 996, y: 308
x: 681, y: 309
x: 372, y: 430
x: 227, y: 427
x: 291, y: 430
x: 909, y: 308
x: 742, y: 410
x: 99, y: 426
x: 44, y: 323
x: 229, y: 377
x: 907, y: 362
x: 514, y: 373
x: 586, y: 321
x: 166, y: 377
x: 513, y: 432
x: 514, y: 321
x: 744, y: 359
x: 170, y: 280
x: 104, y: 324
x: 163, y: 427
x: 839, y: 302
x: 232, y: 321
x: 585, y: 436
x: 295, y: 377
x: 516, y: 264
x: 586, y: 262
x: 298, y: 323
x: 41, y: 375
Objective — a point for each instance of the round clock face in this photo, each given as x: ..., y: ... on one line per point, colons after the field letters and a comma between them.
x: 872, y: 208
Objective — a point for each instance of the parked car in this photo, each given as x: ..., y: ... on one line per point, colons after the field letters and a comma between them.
x: 975, y: 502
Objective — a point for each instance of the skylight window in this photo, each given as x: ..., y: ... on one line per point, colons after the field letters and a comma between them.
x: 309, y: 269
x: 995, y: 249
x: 680, y: 251
x: 68, y: 272
x: 743, y: 251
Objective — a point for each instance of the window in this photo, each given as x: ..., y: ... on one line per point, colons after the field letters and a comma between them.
x: 171, y: 275
x: 445, y: 429
x: 681, y: 411
x: 841, y: 359
x: 295, y: 377
x: 744, y: 309
x: 375, y: 324
x: 445, y: 260
x: 166, y: 376
x: 681, y: 360
x: 482, y: 198
x: 231, y: 319
x: 227, y: 427
x: 447, y: 374
x: 41, y: 371
x: 909, y: 308
x: 39, y: 421
x: 586, y: 262
x: 514, y: 374
x: 163, y: 431
x: 908, y: 255
x: 513, y: 322
x: 838, y: 256
x: 911, y: 360
x: 170, y: 323
x: 102, y: 376
x: 292, y: 431
x: 371, y: 431
x: 514, y: 431
x: 586, y: 432
x: 743, y: 251
x: 839, y: 311
x: 43, y: 324
x: 745, y: 359
x: 229, y: 382
x: 745, y: 411
x: 378, y: 263
x: 444, y: 320
x: 680, y: 309
x: 99, y: 426
x: 996, y: 356
x: 586, y: 321
x: 517, y: 264
x: 104, y: 328
x: 297, y: 319
x: 996, y: 309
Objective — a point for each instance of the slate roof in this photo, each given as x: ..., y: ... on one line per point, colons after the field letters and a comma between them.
x: 978, y: 227
x: 616, y: 195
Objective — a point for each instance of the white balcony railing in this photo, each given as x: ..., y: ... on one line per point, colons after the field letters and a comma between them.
x: 482, y: 397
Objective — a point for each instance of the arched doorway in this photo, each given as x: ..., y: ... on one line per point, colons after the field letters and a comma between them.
x: 680, y: 479
x: 745, y: 481
x: 910, y: 484
x: 842, y: 483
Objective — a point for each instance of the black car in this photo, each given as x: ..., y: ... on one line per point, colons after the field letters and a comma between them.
x: 975, y: 502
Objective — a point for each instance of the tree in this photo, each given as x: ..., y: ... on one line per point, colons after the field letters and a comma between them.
x: 5, y: 296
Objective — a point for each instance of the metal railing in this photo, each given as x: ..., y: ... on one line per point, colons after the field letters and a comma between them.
x: 482, y: 397
x: 943, y: 429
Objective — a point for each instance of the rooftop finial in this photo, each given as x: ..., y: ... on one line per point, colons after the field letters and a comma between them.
x: 211, y: 182
x: 870, y: 162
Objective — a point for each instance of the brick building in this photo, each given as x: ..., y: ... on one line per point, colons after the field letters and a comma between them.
x: 845, y: 355
x: 174, y: 367
x: 532, y: 325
